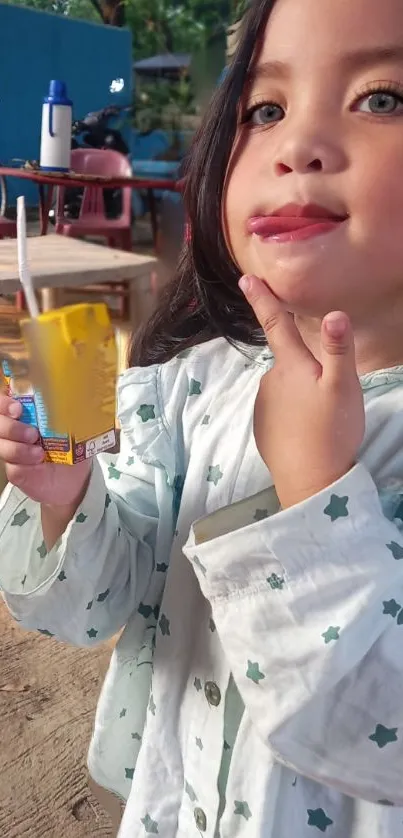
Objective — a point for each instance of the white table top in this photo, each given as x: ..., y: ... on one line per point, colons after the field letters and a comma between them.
x: 62, y: 262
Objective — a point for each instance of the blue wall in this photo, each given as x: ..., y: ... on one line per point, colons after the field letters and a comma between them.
x: 36, y: 47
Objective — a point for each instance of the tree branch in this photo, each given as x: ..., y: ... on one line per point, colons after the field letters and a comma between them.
x: 111, y: 12
x: 98, y: 8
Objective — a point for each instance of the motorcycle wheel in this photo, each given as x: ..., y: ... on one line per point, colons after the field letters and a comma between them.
x: 3, y: 196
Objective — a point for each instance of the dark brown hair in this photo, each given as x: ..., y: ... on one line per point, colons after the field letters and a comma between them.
x: 203, y: 300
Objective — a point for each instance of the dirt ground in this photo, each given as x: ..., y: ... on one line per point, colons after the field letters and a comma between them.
x: 48, y: 694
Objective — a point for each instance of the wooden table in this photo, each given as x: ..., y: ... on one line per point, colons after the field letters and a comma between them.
x: 58, y: 262
x: 47, y: 181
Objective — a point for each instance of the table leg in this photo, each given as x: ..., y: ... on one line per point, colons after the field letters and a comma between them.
x: 141, y: 301
x: 51, y: 298
x: 154, y: 218
x: 45, y: 204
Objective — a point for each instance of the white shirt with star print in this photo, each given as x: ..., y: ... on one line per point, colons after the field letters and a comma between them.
x: 256, y: 689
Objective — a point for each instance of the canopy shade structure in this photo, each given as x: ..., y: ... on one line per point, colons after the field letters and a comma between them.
x: 169, y: 65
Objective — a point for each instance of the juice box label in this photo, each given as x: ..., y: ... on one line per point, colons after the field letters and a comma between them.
x: 69, y: 394
x: 59, y: 448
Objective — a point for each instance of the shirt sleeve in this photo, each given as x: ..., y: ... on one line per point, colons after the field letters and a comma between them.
x: 309, y: 608
x: 86, y: 588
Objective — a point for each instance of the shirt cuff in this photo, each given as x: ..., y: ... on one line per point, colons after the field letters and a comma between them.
x: 26, y: 567
x: 319, y: 536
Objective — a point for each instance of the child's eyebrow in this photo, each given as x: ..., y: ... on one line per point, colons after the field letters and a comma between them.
x: 357, y: 60
x: 362, y: 58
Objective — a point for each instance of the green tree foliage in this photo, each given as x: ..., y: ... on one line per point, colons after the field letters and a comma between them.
x: 157, y: 25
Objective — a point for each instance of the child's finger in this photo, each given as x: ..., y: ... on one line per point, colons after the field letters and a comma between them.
x: 13, y: 429
x: 18, y: 453
x: 278, y: 325
x: 338, y: 357
x: 9, y: 407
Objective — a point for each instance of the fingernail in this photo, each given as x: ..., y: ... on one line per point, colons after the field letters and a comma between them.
x: 14, y: 410
x: 245, y: 284
x: 336, y: 324
x: 31, y: 434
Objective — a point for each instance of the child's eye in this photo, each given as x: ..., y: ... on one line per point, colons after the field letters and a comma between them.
x: 263, y: 114
x: 381, y: 102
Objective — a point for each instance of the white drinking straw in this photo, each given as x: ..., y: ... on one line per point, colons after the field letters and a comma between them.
x: 23, y: 267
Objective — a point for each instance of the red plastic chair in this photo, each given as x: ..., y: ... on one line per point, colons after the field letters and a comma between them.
x: 8, y: 228
x: 92, y: 220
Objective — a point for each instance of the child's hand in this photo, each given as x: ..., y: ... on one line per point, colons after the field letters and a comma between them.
x: 47, y: 483
x: 309, y: 418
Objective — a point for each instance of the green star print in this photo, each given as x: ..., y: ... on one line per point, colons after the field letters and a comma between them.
x: 122, y: 713
x: 113, y: 472
x: 190, y: 792
x: 146, y: 412
x: 92, y: 633
x: 332, y: 633
x: 384, y: 735
x: 102, y: 597
x: 20, y: 518
x: 194, y: 387
x: 107, y: 500
x: 129, y: 773
x: 242, y: 808
x: 42, y: 550
x: 151, y: 705
x: 199, y: 564
x: 214, y: 475
x: 396, y: 550
x: 130, y: 461
x: 150, y: 826
x: 337, y: 508
x: 197, y: 684
x: 318, y: 818
x: 89, y: 606
x: 46, y: 633
x: 147, y: 610
x: 62, y: 576
x: 276, y: 582
x: 81, y: 518
x: 199, y: 743
x: 260, y: 515
x: 254, y: 672
x: 391, y: 607
x: 164, y: 625
x: 206, y: 419
x: 162, y: 567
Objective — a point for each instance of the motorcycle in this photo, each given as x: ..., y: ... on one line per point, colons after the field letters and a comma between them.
x: 94, y: 131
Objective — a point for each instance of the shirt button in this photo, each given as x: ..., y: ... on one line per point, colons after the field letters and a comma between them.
x: 212, y: 693
x: 201, y: 820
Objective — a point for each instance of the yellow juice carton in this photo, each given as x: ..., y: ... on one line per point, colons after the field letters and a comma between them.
x: 68, y: 389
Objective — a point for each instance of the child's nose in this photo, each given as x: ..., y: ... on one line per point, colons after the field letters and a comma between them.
x: 307, y: 153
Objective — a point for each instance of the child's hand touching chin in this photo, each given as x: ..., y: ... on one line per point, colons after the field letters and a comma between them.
x: 309, y: 417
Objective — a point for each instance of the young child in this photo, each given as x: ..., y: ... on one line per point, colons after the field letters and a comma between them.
x: 248, y: 536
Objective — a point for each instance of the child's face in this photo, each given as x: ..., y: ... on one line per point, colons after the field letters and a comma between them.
x: 326, y: 139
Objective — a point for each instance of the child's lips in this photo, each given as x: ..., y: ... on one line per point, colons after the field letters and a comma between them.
x: 282, y: 228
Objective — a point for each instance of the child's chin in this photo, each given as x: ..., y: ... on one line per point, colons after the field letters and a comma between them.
x: 305, y: 296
